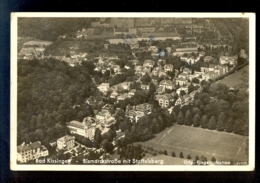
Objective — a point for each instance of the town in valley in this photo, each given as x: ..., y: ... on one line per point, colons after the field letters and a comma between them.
x: 133, y: 91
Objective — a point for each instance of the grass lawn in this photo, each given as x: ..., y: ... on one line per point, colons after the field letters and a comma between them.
x: 234, y: 78
x: 198, y: 141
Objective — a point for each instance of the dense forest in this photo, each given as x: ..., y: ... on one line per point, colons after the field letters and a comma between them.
x: 51, y: 93
x: 37, y: 27
x: 238, y: 30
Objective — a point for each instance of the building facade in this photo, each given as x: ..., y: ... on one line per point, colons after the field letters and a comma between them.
x: 86, y: 128
x: 65, y: 143
x: 32, y: 151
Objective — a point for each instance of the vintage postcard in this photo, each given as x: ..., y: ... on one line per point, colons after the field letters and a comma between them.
x: 133, y: 91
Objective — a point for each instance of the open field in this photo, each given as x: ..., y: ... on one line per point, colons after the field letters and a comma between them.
x: 103, y: 35
x: 198, y: 141
x: 233, y: 79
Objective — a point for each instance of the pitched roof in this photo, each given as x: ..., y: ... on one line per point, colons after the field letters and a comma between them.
x: 186, y: 69
x: 124, y: 95
x: 180, y: 79
x: 76, y: 124
x: 166, y: 82
x: 132, y: 91
x: 149, y: 62
x: 164, y: 97
x: 168, y: 66
x: 143, y: 106
x: 183, y: 74
x: 212, y: 65
x: 65, y: 138
x: 104, y: 84
x: 182, y: 88
x: 25, y: 147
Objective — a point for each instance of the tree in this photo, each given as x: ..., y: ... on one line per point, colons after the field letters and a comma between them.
x: 238, y: 127
x: 86, y: 142
x: 197, y: 102
x: 188, y: 156
x: 108, y: 146
x: 182, y: 93
x: 219, y: 90
x: 122, y: 126
x: 181, y: 155
x: 190, y: 88
x: 180, y: 118
x: 196, y: 120
x: 173, y: 154
x: 212, y: 123
x: 165, y: 152
x: 196, y: 80
x: 213, y: 159
x: 98, y: 136
x: 188, y: 118
x: 156, y: 125
x: 173, y: 117
x: 146, y: 79
x: 221, y: 124
x: 197, y: 158
x: 229, y: 125
x: 152, y: 89
x: 204, y: 121
x: 195, y: 111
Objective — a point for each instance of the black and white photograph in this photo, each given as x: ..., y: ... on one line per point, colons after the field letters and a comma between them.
x: 133, y: 91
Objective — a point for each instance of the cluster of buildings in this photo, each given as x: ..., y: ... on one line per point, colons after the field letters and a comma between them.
x: 35, y: 150
x: 88, y: 126
x: 33, y: 49
x: 231, y: 60
x: 134, y: 113
x: 84, y: 32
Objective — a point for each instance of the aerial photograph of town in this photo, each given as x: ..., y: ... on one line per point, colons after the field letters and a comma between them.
x: 132, y: 91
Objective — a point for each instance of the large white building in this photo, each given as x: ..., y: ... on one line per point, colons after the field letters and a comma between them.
x: 86, y: 128
x: 66, y: 143
x: 32, y: 151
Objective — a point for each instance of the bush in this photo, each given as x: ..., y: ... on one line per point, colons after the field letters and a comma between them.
x: 173, y: 154
x: 213, y: 159
x: 181, y: 155
x: 197, y: 158
x: 165, y: 152
x: 188, y: 157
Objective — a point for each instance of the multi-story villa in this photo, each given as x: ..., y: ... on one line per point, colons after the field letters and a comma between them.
x: 86, y: 128
x: 32, y: 151
x: 66, y: 143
